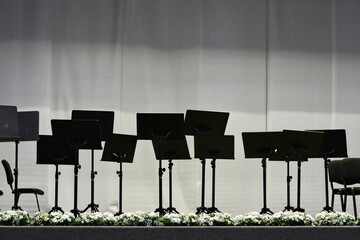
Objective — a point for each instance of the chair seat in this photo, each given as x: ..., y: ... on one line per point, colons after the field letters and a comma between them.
x: 347, y: 191
x: 30, y: 191
x: 356, y: 190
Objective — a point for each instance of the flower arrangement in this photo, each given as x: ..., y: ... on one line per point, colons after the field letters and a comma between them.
x: 252, y: 219
x: 137, y: 219
x: 22, y: 218
x: 96, y: 219
x: 289, y: 218
x: 14, y: 218
x: 52, y: 219
x: 334, y: 219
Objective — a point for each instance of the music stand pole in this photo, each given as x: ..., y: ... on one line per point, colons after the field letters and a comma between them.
x: 202, y: 208
x: 16, y: 174
x: 76, y: 211
x: 57, y: 174
x: 265, y: 209
x: 120, y: 158
x: 299, y: 153
x: 92, y: 206
x: 298, y: 208
x: 161, y: 171
x: 170, y: 209
x: 326, y: 166
x: 288, y: 180
x: 213, y: 208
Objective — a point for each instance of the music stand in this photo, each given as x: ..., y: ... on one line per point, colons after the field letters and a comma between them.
x: 262, y: 145
x: 80, y: 134
x: 333, y: 145
x: 55, y: 153
x: 120, y: 148
x: 28, y: 131
x: 299, y: 146
x: 172, y: 150
x: 216, y: 147
x: 106, y: 122
x: 159, y: 127
x: 204, y: 124
x: 9, y: 132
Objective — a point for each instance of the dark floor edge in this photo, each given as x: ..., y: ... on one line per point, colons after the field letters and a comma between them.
x: 181, y: 233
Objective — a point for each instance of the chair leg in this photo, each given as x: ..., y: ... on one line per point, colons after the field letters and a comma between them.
x: 17, y: 196
x: 345, y: 202
x: 354, y: 202
x: 332, y: 200
x: 342, y: 202
x: 37, y: 202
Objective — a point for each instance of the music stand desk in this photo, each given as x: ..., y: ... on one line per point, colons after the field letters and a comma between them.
x: 28, y: 126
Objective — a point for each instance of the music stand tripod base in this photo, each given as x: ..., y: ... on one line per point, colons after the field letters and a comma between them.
x: 288, y: 209
x: 201, y: 210
x: 266, y: 211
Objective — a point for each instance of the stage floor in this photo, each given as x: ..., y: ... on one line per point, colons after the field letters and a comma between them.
x: 181, y: 233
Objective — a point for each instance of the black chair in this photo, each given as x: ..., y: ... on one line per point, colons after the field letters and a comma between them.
x: 10, y: 180
x: 351, y: 176
x: 336, y: 176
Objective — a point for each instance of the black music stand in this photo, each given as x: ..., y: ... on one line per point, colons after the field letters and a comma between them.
x: 299, y: 146
x: 204, y: 124
x: 120, y: 148
x: 333, y: 145
x: 28, y: 131
x: 9, y: 132
x: 159, y: 127
x: 172, y: 150
x: 216, y: 147
x: 80, y: 134
x: 106, y: 122
x: 262, y: 145
x: 55, y: 153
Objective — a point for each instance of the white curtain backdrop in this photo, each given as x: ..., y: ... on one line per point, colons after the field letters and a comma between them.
x: 278, y: 64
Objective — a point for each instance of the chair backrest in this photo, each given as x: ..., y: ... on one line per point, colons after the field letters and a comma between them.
x: 335, y: 172
x: 9, y: 176
x: 351, y: 170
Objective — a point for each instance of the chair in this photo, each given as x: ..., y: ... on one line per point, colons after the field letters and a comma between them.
x: 351, y: 175
x: 10, y: 180
x: 336, y: 176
